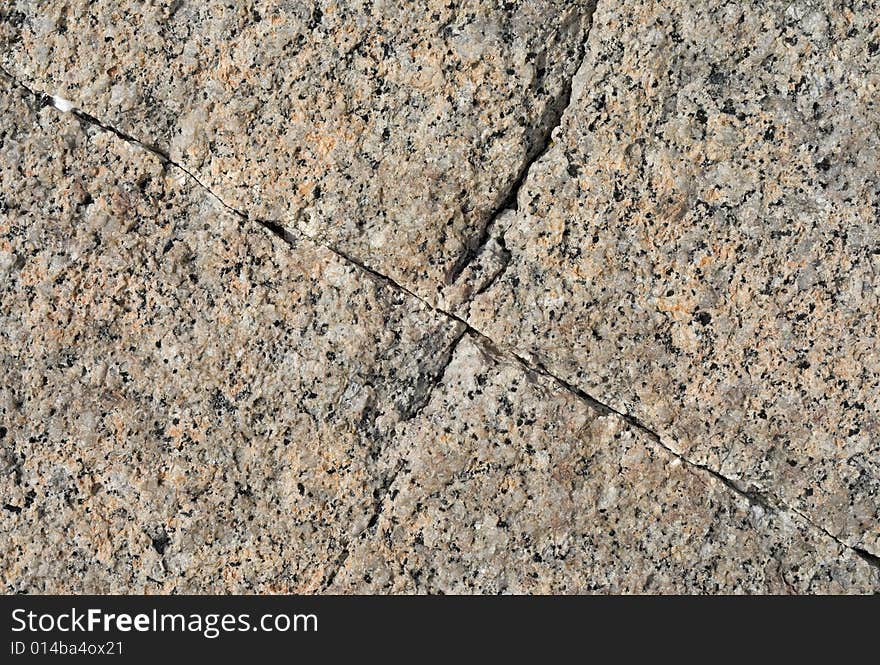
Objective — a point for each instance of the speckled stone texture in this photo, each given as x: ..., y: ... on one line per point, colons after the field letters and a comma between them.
x: 391, y: 129
x: 700, y: 247
x: 530, y: 490
x: 468, y: 297
x: 188, y: 404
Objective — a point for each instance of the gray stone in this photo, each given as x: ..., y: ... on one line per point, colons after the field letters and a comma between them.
x: 699, y: 247
x: 530, y: 490
x: 187, y: 403
x: 390, y: 129
x: 308, y: 297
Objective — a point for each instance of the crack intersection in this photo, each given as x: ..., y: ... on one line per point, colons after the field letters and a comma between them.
x: 382, y: 493
x: 552, y: 119
x: 764, y: 499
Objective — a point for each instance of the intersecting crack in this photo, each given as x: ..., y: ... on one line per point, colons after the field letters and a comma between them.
x: 551, y: 120
x: 766, y: 500
x: 381, y: 493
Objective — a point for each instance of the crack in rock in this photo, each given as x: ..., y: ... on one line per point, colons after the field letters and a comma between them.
x: 763, y: 499
x: 64, y: 106
x: 381, y: 493
x: 550, y: 121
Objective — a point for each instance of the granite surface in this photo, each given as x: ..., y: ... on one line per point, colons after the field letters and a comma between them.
x: 700, y: 248
x: 188, y: 403
x: 470, y: 297
x: 390, y: 129
x: 531, y: 490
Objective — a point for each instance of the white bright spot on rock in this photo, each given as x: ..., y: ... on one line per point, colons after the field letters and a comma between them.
x: 62, y: 104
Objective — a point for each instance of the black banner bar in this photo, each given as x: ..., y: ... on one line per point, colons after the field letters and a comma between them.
x: 150, y: 628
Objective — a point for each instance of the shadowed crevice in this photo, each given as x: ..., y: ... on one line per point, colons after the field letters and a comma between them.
x: 550, y: 120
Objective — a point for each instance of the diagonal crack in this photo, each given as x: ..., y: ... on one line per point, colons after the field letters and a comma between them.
x: 551, y: 119
x: 381, y: 494
x: 765, y: 500
x: 43, y: 99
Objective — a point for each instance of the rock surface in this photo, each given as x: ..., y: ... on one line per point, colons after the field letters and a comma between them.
x: 530, y: 490
x: 458, y: 297
x: 188, y: 403
x: 390, y: 129
x: 700, y: 247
